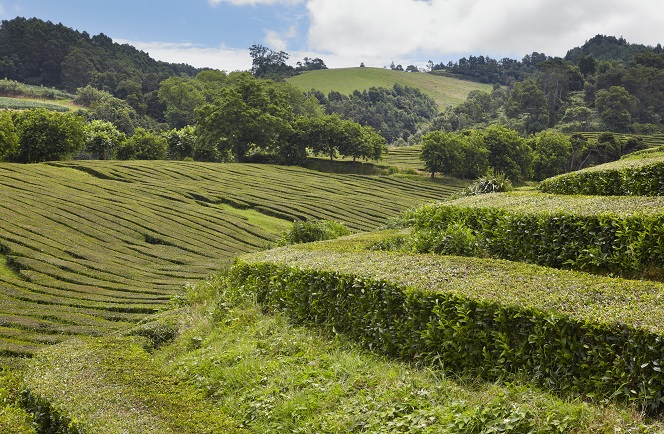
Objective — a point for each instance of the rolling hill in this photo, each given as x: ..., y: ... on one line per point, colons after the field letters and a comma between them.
x: 446, y: 91
x: 91, y: 247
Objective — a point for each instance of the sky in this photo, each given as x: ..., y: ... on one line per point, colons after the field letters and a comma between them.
x: 345, y: 33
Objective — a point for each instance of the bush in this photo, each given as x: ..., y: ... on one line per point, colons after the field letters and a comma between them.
x: 631, y: 177
x: 47, y: 136
x: 617, y: 235
x: 566, y: 331
x: 143, y: 145
x: 313, y: 230
x: 494, y: 181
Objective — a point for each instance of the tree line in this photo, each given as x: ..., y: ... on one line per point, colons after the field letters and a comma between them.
x: 471, y: 153
x: 219, y: 117
x: 607, y: 84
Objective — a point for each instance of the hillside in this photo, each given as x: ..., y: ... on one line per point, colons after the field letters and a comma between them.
x: 91, y: 247
x: 445, y: 91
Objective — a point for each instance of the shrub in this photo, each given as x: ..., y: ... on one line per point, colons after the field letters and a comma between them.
x: 313, y: 230
x: 566, y: 331
x: 494, y: 181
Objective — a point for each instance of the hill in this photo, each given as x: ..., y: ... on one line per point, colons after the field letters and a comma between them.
x: 40, y: 52
x: 445, y: 91
x: 91, y: 247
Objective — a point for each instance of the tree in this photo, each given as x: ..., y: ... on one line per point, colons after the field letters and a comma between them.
x: 143, y: 145
x: 8, y: 136
x: 250, y: 115
x: 578, y: 116
x: 453, y: 154
x: 552, y: 153
x: 266, y: 63
x: 181, y: 143
x: 308, y: 64
x: 182, y: 97
x: 615, y: 107
x: 508, y: 152
x: 102, y: 139
x: 47, y: 136
x: 528, y: 101
x: 332, y: 136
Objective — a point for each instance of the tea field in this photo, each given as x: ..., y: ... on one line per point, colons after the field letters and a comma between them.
x: 87, y: 248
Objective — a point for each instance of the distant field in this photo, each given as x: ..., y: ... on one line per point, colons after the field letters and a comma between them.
x: 91, y: 247
x: 7, y: 103
x: 445, y: 91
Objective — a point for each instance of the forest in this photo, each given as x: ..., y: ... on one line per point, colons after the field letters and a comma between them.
x: 528, y: 127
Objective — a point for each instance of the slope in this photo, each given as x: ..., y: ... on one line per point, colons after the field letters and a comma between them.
x: 91, y: 247
x: 445, y: 91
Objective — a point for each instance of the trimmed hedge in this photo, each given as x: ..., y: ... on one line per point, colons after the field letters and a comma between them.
x: 600, y: 234
x: 567, y: 331
x: 629, y: 177
x: 110, y: 385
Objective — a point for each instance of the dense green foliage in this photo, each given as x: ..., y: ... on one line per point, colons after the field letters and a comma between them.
x: 470, y: 154
x: 395, y: 113
x: 143, y: 145
x: 616, y: 235
x: 567, y: 331
x: 629, y: 177
x: 607, y: 84
x: 313, y: 230
x: 45, y: 136
x: 277, y: 377
x: 37, y: 52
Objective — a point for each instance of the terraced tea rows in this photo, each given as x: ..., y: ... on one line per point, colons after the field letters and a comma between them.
x: 92, y: 247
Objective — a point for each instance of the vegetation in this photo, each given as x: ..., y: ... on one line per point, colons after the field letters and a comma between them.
x: 313, y: 230
x: 612, y: 234
x: 570, y: 332
x: 444, y: 91
x: 275, y: 376
x: 637, y: 176
x: 131, y: 393
x: 102, y: 244
x: 607, y: 84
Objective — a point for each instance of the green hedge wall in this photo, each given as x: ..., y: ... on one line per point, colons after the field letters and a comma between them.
x: 467, y: 334
x: 623, y: 178
x: 628, y: 241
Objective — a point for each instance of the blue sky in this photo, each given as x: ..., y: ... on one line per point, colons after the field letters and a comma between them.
x: 218, y: 33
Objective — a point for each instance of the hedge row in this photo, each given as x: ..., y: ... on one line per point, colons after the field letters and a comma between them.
x: 618, y: 235
x: 630, y: 177
x: 567, y: 331
x: 111, y: 385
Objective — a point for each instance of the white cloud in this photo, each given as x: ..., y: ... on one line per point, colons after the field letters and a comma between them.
x: 398, y: 29
x: 254, y: 2
x: 223, y: 58
x: 279, y: 41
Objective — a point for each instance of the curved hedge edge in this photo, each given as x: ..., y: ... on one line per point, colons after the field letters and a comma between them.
x: 632, y: 180
x: 464, y: 335
x: 628, y: 245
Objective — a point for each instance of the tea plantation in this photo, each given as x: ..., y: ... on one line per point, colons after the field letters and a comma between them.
x: 367, y: 333
x: 89, y: 248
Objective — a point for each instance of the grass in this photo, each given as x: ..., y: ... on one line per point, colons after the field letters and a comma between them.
x: 7, y: 103
x: 274, y: 376
x: 446, y: 91
x: 112, y: 386
x: 89, y: 248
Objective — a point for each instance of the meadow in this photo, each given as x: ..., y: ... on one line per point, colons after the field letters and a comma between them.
x: 446, y: 91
